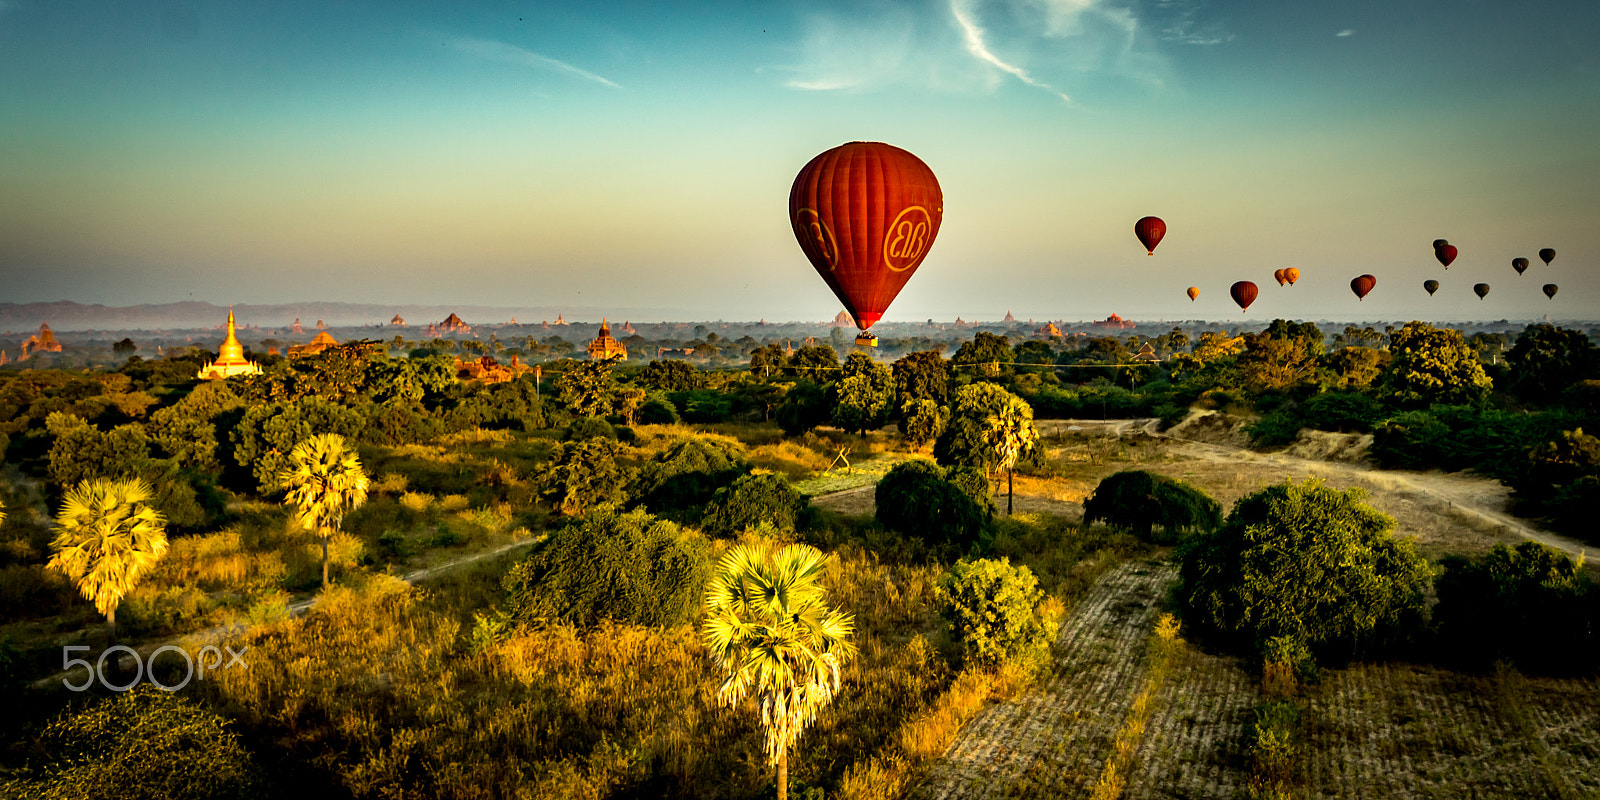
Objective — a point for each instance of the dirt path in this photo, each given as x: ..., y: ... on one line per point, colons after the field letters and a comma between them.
x: 1052, y: 740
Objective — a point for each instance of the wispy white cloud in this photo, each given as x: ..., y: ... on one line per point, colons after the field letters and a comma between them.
x: 972, y: 35
x: 1346, y: 32
x: 511, y: 54
x: 1063, y: 47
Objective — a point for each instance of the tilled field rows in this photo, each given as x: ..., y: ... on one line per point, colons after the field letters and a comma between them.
x: 1053, y: 740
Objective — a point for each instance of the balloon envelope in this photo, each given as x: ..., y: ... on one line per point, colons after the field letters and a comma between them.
x: 1548, y: 255
x: 1194, y: 291
x: 1291, y: 275
x: 1244, y: 293
x: 1480, y: 289
x: 866, y: 213
x: 1438, y: 243
x: 1150, y: 230
x: 1362, y: 284
x: 1520, y: 265
x: 1550, y: 290
x: 1277, y: 275
x: 1445, y: 254
x: 1431, y: 286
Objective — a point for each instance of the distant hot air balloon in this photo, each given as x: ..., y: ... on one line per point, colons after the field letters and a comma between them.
x: 1445, y: 254
x: 1481, y: 289
x: 1431, y: 286
x: 1548, y: 255
x: 1550, y: 290
x: 1438, y: 243
x: 1520, y: 265
x: 1194, y: 291
x: 865, y: 213
x: 1278, y: 276
x: 1362, y: 284
x: 1291, y: 275
x: 1244, y: 293
x: 1150, y: 230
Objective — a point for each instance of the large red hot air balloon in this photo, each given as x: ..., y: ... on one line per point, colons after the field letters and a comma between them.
x: 1291, y: 275
x: 1548, y: 254
x: 865, y: 213
x: 1150, y: 230
x: 1550, y: 290
x: 1361, y: 284
x: 1431, y: 286
x: 1244, y: 293
x: 1445, y: 254
x: 1520, y: 265
x: 1194, y: 291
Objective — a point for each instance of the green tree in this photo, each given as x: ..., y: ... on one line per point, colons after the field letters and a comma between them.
x: 671, y: 375
x: 917, y: 499
x: 989, y: 428
x: 1525, y: 604
x: 108, y: 538
x: 1432, y: 365
x: 1033, y: 351
x: 921, y: 422
x: 1307, y: 562
x: 1283, y: 356
x: 771, y: 632
x: 1547, y: 359
x: 688, y: 473
x: 814, y: 363
x: 805, y: 406
x: 324, y: 480
x: 993, y: 610
x: 865, y: 395
x: 633, y: 568
x: 267, y: 433
x: 188, y: 429
x: 987, y: 356
x: 923, y: 375
x: 1356, y: 367
x: 587, y: 388
x: 585, y: 474
x: 80, y: 451
x: 753, y: 501
x: 766, y: 361
x: 1138, y: 501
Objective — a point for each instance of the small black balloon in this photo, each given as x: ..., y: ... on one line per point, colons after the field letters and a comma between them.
x: 1520, y: 265
x: 1548, y: 254
x: 1550, y: 290
x: 1481, y: 289
x: 1431, y: 286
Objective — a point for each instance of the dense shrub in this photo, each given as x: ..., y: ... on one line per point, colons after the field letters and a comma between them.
x: 755, y: 500
x: 688, y: 473
x: 1490, y: 441
x: 1531, y: 605
x: 633, y: 568
x: 703, y: 406
x: 921, y: 422
x: 993, y: 610
x: 1308, y: 562
x: 589, y: 428
x: 1138, y: 501
x: 916, y: 498
x: 658, y: 411
x: 145, y: 743
x: 584, y: 474
x: 803, y: 407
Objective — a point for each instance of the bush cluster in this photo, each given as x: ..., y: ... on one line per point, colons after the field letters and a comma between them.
x: 1137, y: 501
x: 918, y: 498
x: 993, y: 609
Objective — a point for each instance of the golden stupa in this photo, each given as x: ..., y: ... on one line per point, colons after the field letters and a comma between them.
x: 604, y: 347
x: 230, y: 360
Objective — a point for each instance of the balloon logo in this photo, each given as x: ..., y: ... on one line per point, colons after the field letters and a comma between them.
x: 1520, y: 265
x: 1445, y: 253
x: 1194, y: 291
x: 1431, y: 286
x: 1278, y: 276
x: 1244, y: 293
x: 1548, y: 255
x: 1481, y: 289
x: 865, y: 214
x: 1550, y: 290
x: 1291, y: 275
x: 1150, y: 230
x: 1361, y: 285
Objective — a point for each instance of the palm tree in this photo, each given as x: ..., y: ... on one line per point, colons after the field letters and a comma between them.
x: 324, y: 481
x: 1010, y: 434
x: 108, y: 539
x: 768, y: 628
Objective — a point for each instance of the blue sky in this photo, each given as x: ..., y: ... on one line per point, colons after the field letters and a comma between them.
x: 640, y: 154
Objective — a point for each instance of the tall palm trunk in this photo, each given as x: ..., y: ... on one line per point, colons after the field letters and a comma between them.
x: 783, y: 775
x: 112, y: 619
x: 324, y: 560
x: 1009, y: 491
